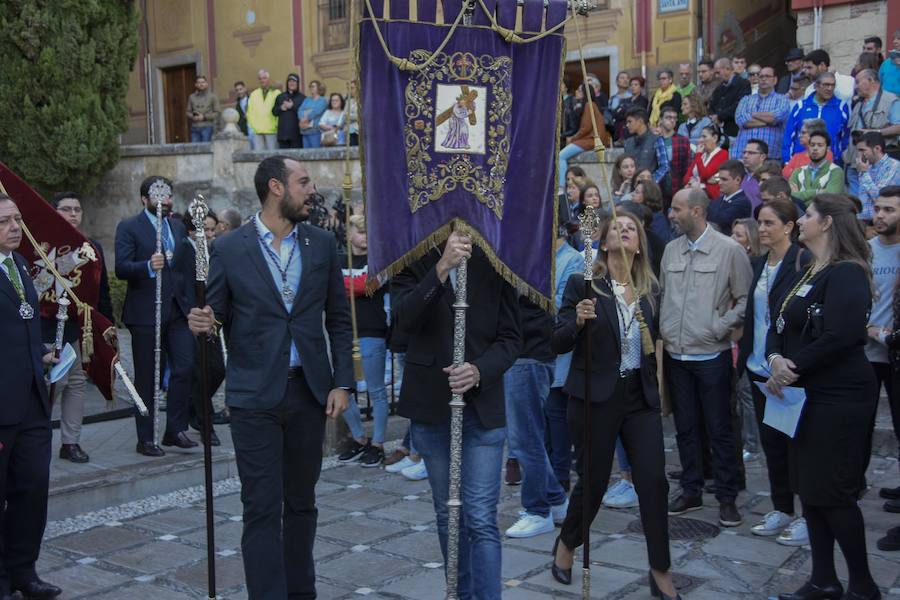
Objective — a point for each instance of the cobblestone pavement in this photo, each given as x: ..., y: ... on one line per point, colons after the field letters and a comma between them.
x: 377, y: 539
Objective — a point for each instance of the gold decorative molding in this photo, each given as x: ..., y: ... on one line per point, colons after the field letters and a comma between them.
x: 599, y: 29
x: 331, y: 65
x: 252, y: 36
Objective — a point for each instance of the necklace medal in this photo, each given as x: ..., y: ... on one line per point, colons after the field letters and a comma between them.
x: 26, y: 311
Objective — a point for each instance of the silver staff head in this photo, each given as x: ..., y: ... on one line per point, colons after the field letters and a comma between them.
x: 582, y: 7
x: 199, y: 210
x: 590, y: 221
x: 159, y: 191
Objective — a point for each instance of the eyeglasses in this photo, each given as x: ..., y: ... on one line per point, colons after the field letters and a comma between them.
x: 753, y: 73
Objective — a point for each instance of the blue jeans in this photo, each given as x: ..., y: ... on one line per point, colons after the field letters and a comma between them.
x: 559, y: 440
x: 373, y: 351
x: 201, y: 134
x: 570, y: 151
x: 527, y: 384
x: 479, y: 538
x: 312, y: 140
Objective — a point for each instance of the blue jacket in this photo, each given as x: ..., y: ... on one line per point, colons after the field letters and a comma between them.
x: 836, y: 116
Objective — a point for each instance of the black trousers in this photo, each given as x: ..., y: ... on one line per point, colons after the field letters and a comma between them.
x: 775, y: 446
x: 24, y: 485
x: 279, y: 457
x: 178, y: 353
x: 215, y: 375
x: 701, y: 399
x: 884, y: 374
x: 639, y: 426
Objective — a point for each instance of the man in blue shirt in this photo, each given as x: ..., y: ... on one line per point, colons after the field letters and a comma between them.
x: 821, y: 105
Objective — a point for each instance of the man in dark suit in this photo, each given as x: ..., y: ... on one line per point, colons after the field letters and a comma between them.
x: 24, y: 420
x: 240, y: 105
x: 725, y: 98
x: 733, y: 202
x: 271, y: 283
x: 423, y: 296
x: 138, y: 263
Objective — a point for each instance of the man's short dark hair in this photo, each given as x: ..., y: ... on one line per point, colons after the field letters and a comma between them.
x: 763, y: 147
x: 740, y: 55
x: 872, y: 139
x: 60, y: 196
x: 822, y: 134
x: 636, y: 112
x: 665, y: 72
x: 775, y: 186
x: 146, y: 183
x: 273, y: 167
x: 735, y: 168
x: 873, y: 40
x: 890, y: 191
x: 706, y: 62
x: 668, y: 109
x: 239, y: 82
x: 818, y: 57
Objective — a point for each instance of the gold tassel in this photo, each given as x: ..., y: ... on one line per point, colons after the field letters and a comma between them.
x: 647, y: 345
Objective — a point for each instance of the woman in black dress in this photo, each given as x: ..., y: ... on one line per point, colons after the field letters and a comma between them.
x: 816, y: 342
x: 625, y: 396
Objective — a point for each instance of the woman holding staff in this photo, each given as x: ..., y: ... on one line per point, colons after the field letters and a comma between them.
x: 625, y: 395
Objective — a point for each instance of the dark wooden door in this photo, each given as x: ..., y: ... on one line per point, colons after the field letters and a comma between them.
x: 178, y: 84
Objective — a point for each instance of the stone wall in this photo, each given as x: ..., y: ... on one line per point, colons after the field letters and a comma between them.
x: 844, y: 27
x: 223, y: 172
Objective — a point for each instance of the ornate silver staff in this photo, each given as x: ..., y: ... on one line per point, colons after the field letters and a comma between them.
x: 589, y: 223
x: 62, y: 315
x: 199, y: 211
x: 129, y: 387
x: 454, y: 502
x: 159, y: 191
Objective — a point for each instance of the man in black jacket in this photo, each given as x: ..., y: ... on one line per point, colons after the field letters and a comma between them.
x: 423, y: 296
x: 70, y: 390
x: 24, y: 419
x: 725, y: 98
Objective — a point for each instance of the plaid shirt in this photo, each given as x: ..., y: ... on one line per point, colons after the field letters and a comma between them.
x: 882, y: 174
x: 777, y: 104
x: 662, y: 160
x: 680, y: 160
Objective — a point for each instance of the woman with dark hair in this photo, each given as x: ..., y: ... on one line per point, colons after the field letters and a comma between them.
x: 773, y: 272
x: 623, y: 174
x: 695, y: 119
x: 625, y: 394
x: 285, y: 108
x: 584, y: 138
x: 333, y: 121
x: 817, y: 343
x: 704, y: 170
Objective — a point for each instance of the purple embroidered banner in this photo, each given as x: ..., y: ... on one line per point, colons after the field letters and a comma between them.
x: 469, y: 140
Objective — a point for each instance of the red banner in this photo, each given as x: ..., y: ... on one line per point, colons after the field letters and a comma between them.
x: 76, y: 259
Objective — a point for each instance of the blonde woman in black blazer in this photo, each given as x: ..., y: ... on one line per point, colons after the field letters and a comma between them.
x: 625, y: 394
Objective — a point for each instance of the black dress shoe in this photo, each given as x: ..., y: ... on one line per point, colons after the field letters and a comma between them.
x: 729, y: 515
x: 890, y: 493
x: 74, y: 453
x: 876, y: 595
x: 37, y: 590
x: 221, y: 418
x: 811, y: 591
x: 675, y: 475
x: 564, y: 576
x: 179, y: 440
x: 892, y: 506
x: 150, y: 449
x: 891, y: 541
x: 213, y: 438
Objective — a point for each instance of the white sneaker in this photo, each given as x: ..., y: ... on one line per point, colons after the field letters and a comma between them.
x: 795, y: 534
x: 559, y: 511
x: 625, y: 498
x: 613, y: 490
x: 530, y: 525
x: 400, y: 465
x: 772, y: 523
x: 416, y: 472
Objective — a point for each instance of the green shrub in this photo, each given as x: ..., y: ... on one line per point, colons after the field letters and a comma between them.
x: 63, y: 79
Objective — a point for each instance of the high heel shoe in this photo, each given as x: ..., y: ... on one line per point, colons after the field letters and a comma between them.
x: 812, y: 591
x: 658, y: 593
x: 564, y: 576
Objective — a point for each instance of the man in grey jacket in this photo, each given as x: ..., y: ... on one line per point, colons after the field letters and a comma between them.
x: 705, y: 277
x: 271, y: 282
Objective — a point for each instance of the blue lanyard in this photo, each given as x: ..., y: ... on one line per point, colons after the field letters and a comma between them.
x: 276, y: 260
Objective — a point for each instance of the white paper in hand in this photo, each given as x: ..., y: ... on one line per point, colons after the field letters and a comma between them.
x: 66, y: 360
x: 783, y: 414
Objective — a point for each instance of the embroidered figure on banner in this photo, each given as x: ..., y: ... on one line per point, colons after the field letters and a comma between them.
x: 459, y: 127
x: 458, y: 112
